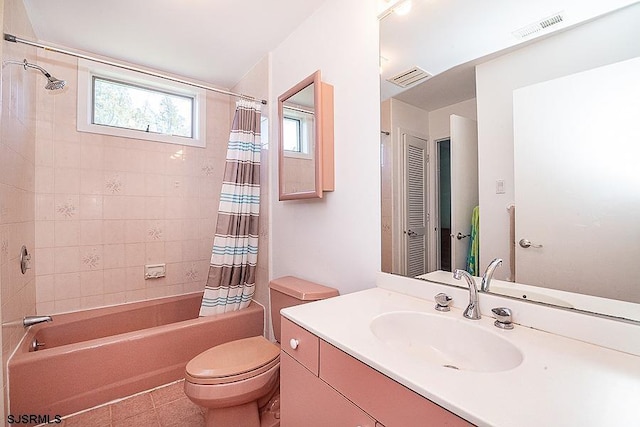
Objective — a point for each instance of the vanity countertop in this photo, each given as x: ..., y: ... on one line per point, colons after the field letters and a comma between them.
x: 561, y: 381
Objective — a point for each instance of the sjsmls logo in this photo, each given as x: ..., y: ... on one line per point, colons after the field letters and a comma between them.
x: 34, y: 419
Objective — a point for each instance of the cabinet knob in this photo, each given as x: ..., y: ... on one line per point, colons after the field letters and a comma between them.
x: 294, y: 343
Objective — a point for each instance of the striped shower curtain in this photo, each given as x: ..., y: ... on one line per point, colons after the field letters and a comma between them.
x: 231, y: 281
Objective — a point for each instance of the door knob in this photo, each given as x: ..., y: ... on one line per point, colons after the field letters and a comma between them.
x: 461, y: 236
x: 526, y: 243
x: 411, y: 233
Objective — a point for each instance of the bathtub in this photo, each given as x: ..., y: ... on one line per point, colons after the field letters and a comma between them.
x: 94, y: 356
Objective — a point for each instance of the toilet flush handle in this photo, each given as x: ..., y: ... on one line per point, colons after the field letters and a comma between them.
x: 294, y: 343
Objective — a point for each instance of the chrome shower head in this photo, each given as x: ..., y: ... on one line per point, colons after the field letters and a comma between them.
x: 53, y: 83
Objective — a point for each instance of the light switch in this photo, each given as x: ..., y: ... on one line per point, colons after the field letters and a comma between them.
x: 500, y: 186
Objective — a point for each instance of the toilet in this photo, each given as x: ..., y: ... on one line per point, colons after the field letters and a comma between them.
x: 236, y: 380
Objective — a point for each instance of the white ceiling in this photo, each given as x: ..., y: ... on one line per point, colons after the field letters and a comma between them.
x: 441, y: 35
x: 213, y: 41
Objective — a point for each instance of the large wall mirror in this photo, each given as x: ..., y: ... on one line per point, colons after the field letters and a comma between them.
x: 305, y: 149
x: 538, y: 133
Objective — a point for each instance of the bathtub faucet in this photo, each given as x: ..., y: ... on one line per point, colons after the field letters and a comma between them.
x: 34, y: 320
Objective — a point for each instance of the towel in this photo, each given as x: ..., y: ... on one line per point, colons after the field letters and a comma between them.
x: 474, y: 243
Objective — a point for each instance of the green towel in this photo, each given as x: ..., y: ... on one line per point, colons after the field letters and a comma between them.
x: 474, y: 243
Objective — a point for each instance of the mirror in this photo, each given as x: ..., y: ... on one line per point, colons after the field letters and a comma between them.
x: 483, y: 89
x: 306, y: 140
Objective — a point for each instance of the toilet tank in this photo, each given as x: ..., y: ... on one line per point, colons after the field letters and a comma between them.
x: 288, y: 291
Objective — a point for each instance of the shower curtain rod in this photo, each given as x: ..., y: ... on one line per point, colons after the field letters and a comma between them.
x: 14, y: 39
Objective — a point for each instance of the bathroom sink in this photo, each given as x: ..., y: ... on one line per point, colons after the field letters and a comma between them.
x: 452, y: 343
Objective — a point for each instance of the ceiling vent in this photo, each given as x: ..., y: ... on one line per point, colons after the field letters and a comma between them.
x: 409, y: 77
x: 536, y: 27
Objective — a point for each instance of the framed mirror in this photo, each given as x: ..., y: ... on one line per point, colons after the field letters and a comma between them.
x: 305, y: 146
x: 588, y: 139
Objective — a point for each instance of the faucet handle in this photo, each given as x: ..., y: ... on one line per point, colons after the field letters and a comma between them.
x: 442, y: 302
x: 504, y: 319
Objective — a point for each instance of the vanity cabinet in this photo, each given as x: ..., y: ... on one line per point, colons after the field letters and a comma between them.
x: 321, y: 385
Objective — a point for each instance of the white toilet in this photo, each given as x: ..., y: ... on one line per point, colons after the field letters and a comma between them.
x: 233, y: 381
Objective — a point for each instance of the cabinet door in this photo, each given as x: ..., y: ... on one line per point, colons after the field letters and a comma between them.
x: 388, y: 401
x: 306, y: 400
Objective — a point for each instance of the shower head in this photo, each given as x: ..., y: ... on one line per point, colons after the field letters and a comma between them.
x: 53, y: 83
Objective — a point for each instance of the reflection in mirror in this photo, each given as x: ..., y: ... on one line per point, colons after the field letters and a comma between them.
x: 572, y: 95
x: 298, y: 142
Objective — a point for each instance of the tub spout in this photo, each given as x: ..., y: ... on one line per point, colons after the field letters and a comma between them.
x: 34, y: 320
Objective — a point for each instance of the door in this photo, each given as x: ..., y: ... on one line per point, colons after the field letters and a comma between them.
x: 443, y: 191
x: 577, y: 187
x: 415, y: 160
x: 464, y: 186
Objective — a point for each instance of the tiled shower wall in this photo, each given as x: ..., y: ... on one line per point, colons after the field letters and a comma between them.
x: 17, y: 176
x: 106, y: 206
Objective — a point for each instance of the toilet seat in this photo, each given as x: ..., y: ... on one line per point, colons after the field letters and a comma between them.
x: 233, y: 361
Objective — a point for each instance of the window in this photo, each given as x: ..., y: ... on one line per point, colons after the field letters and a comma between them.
x: 133, y: 105
x: 292, y: 137
x: 298, y: 132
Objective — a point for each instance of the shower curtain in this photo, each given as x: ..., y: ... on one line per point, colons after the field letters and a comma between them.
x: 231, y: 280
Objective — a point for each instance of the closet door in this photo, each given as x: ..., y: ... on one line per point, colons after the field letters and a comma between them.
x: 416, y: 204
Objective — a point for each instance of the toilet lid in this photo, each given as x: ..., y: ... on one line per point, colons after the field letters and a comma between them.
x: 226, y: 362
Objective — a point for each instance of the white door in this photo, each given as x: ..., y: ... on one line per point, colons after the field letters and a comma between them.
x: 577, y: 186
x: 415, y: 204
x: 464, y: 186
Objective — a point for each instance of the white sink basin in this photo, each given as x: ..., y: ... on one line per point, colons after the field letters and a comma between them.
x: 445, y: 341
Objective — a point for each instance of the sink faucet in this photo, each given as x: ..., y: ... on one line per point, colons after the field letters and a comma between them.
x: 488, y: 274
x: 472, y: 311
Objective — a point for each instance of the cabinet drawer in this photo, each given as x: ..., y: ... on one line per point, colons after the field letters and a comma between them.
x: 389, y: 402
x: 306, y: 345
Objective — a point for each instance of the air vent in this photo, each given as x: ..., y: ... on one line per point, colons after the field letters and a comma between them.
x: 409, y: 77
x: 536, y: 27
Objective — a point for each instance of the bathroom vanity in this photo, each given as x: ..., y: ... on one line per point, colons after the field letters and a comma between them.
x: 322, y: 385
x: 366, y: 359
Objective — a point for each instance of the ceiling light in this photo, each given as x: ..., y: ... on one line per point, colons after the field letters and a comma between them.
x: 399, y: 7
x: 402, y: 8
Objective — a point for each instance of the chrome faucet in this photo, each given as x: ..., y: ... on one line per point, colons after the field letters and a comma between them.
x: 488, y: 274
x: 34, y: 320
x: 472, y: 311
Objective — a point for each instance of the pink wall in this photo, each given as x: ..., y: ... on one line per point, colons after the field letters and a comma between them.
x: 17, y: 172
x: 106, y: 206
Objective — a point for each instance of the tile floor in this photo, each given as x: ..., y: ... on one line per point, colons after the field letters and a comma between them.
x: 162, y: 407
